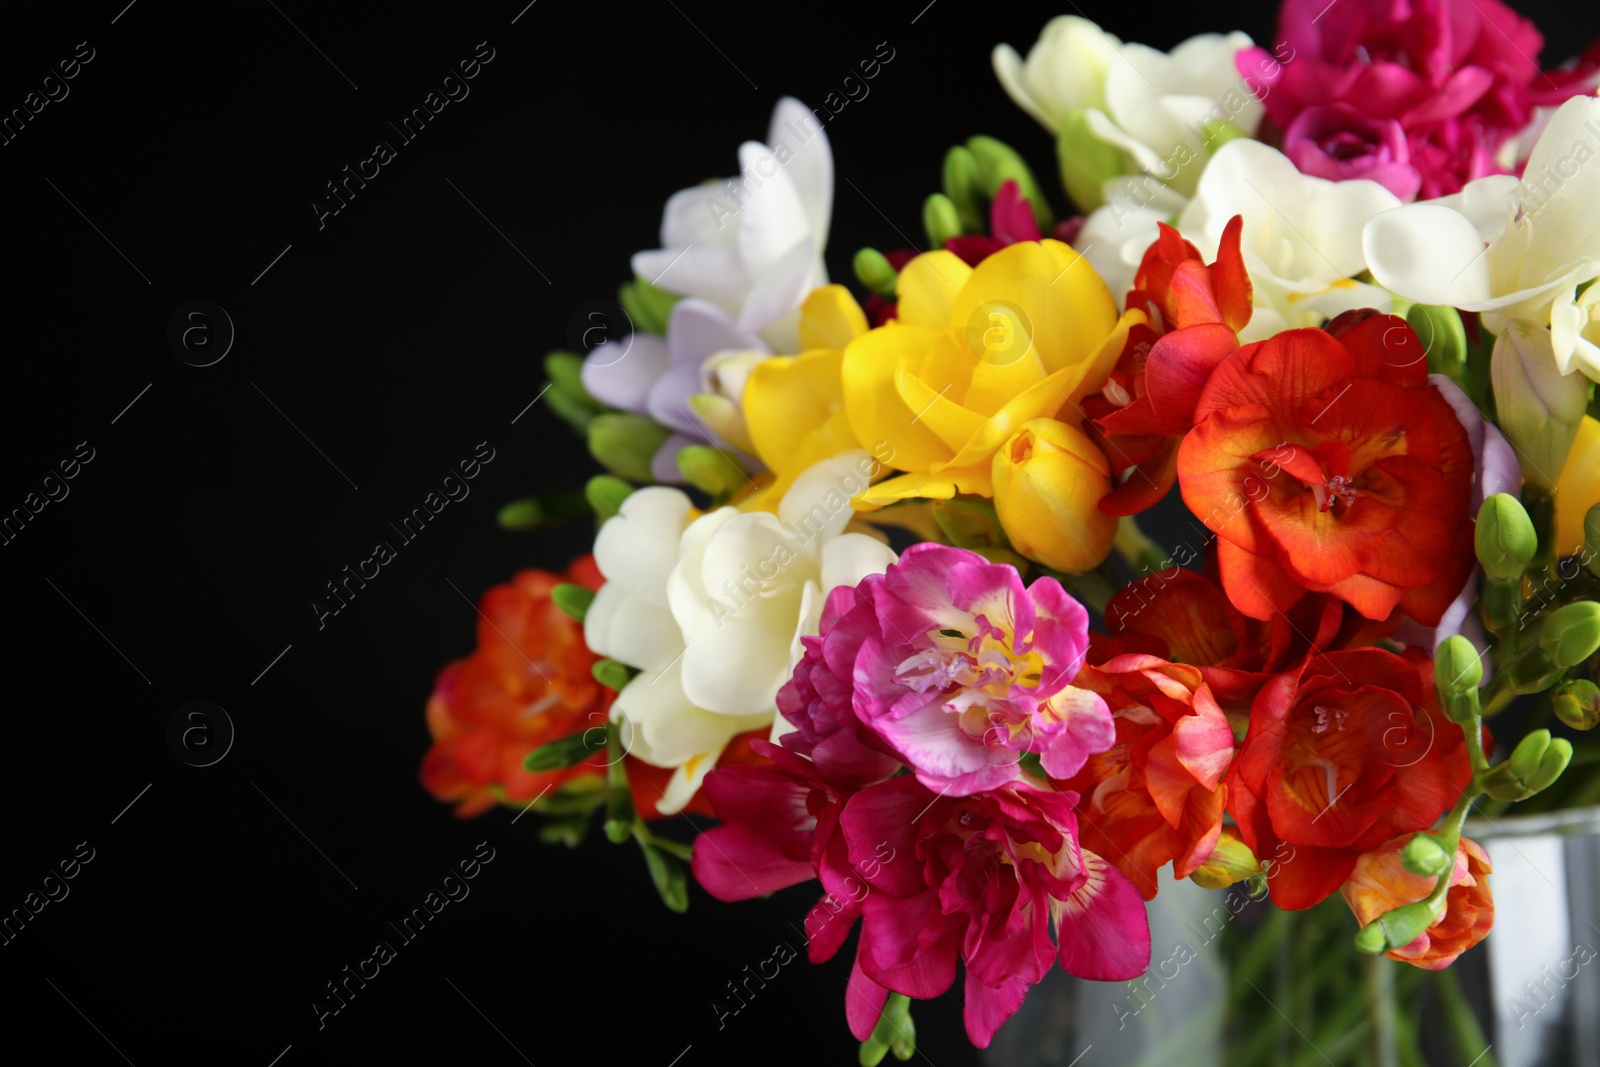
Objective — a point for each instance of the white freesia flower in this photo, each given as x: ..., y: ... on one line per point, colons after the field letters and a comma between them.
x: 712, y: 609
x: 753, y: 245
x: 1302, y: 235
x: 1066, y: 69
x: 1543, y: 242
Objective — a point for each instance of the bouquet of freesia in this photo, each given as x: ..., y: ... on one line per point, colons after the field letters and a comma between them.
x: 869, y: 586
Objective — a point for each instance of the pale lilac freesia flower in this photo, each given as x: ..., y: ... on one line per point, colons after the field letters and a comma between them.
x: 956, y: 668
x: 660, y: 376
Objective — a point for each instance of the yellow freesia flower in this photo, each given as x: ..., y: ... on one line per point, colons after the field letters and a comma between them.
x: 975, y: 354
x: 794, y: 405
x: 1578, y: 488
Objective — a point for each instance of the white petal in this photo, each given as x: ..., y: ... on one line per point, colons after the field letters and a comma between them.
x: 1008, y: 68
x: 638, y: 547
x: 1428, y: 254
x: 810, y: 167
x: 773, y: 218
x: 715, y: 274
x: 698, y: 216
x: 628, y: 628
x: 817, y: 505
x: 619, y: 372
x: 686, y: 591
x: 850, y: 557
x: 668, y: 724
x: 735, y: 663
x: 1487, y: 203
x: 782, y: 287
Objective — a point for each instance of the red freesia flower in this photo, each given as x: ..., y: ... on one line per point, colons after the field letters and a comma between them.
x: 1157, y: 796
x: 1342, y: 755
x: 1458, y: 77
x: 1327, y: 462
x: 1380, y: 883
x: 528, y: 683
x: 1195, y: 313
x: 1183, y: 616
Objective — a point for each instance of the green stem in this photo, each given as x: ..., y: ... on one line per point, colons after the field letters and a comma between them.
x: 1471, y: 1047
x: 1381, y: 1011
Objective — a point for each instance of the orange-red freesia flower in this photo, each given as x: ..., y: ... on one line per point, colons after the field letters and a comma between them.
x: 1380, y: 883
x: 1195, y: 311
x: 1156, y: 796
x: 529, y: 683
x: 1327, y: 462
x: 1342, y: 754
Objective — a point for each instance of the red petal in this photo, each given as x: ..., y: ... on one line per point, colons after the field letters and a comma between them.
x: 1103, y: 929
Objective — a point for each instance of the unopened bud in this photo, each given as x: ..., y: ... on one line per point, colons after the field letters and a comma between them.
x: 626, y: 444
x: 1086, y: 161
x: 997, y: 163
x: 874, y: 271
x: 1425, y: 855
x: 1537, y: 407
x: 963, y: 184
x: 1505, y: 539
x: 1230, y: 861
x: 1572, y: 633
x: 1577, y: 703
x: 940, y: 219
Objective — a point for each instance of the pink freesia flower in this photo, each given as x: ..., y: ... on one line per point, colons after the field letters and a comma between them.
x: 1457, y: 76
x: 956, y: 668
x: 936, y: 880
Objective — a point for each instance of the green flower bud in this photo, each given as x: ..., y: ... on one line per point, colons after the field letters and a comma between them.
x: 1230, y: 861
x: 670, y: 879
x: 895, y: 1032
x: 1219, y: 132
x: 711, y: 470
x: 626, y: 443
x: 1571, y: 633
x: 1398, y: 928
x: 565, y: 372
x: 612, y: 674
x: 572, y: 599
x: 542, y: 512
x: 1457, y: 667
x: 970, y: 522
x: 1555, y: 761
x: 999, y: 162
x: 1505, y: 538
x: 606, y: 494
x: 1537, y: 407
x: 1086, y: 161
x: 1445, y: 338
x: 940, y: 219
x: 963, y: 184
x: 647, y: 306
x: 874, y: 272
x: 1577, y: 703
x: 1425, y: 855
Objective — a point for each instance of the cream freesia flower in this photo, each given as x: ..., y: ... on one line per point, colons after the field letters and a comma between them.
x: 1302, y: 235
x: 1509, y: 249
x: 711, y: 609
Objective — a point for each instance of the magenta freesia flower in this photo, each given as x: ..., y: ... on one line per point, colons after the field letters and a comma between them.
x: 936, y: 880
x: 1457, y: 76
x: 1340, y: 143
x: 950, y: 663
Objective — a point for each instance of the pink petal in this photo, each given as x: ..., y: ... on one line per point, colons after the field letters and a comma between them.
x: 863, y: 1001
x: 1103, y: 930
x: 986, y: 1007
x: 738, y: 862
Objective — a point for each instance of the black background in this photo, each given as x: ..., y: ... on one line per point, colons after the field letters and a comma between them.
x: 395, y: 338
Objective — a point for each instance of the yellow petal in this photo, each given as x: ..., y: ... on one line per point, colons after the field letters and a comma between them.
x: 787, y: 398
x: 877, y: 413
x: 1042, y: 400
x: 830, y: 318
x: 929, y: 285
x: 1069, y: 306
x: 1578, y: 488
x: 942, y: 486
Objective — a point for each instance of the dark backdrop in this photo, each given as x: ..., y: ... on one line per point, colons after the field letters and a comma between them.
x: 369, y: 357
